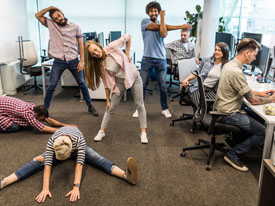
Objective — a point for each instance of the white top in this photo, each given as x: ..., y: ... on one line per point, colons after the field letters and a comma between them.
x: 114, y: 68
x: 213, y: 76
x: 185, y: 45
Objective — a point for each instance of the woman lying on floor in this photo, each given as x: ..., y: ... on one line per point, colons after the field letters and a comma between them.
x: 69, y: 142
x: 118, y: 73
x: 210, y: 71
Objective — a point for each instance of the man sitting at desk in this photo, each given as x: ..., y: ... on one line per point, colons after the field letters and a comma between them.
x: 15, y: 113
x: 182, y: 48
x: 66, y: 40
x: 229, y: 99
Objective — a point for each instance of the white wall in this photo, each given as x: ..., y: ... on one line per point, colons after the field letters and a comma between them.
x: 13, y: 23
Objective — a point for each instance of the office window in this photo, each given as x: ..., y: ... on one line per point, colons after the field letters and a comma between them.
x: 255, y: 16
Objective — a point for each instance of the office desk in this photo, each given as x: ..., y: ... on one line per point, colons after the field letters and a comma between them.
x: 270, y: 120
x: 46, y: 63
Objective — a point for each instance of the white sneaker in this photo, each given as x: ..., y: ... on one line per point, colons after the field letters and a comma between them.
x: 166, y: 113
x: 143, y: 138
x: 135, y: 114
x: 99, y: 136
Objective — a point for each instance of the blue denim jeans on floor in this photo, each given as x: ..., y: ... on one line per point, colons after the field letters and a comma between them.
x: 147, y: 65
x: 255, y: 129
x: 13, y: 128
x: 58, y: 68
x: 91, y: 158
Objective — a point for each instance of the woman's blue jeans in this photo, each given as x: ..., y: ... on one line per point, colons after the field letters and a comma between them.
x: 147, y: 65
x: 58, y: 68
x: 91, y: 158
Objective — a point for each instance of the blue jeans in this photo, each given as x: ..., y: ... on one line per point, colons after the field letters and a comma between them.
x: 147, y: 65
x: 91, y: 157
x: 250, y: 126
x: 13, y: 128
x: 58, y: 68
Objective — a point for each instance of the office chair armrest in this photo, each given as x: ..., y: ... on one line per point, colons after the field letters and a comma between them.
x: 216, y: 113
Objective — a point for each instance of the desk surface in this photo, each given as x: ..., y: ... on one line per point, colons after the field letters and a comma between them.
x: 48, y: 62
x: 259, y: 109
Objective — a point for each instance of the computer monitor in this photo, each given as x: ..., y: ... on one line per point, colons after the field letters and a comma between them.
x: 227, y: 38
x: 256, y: 36
x: 101, y: 39
x: 89, y: 36
x: 264, y: 62
x: 263, y: 58
x: 114, y: 35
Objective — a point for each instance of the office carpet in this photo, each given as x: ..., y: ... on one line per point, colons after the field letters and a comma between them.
x: 165, y: 178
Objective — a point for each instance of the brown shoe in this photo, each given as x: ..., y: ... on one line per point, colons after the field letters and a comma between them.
x: 131, y: 172
x: 1, y: 182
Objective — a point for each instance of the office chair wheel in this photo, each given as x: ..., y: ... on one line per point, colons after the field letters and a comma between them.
x: 183, y: 154
x: 171, y: 124
x: 208, y: 167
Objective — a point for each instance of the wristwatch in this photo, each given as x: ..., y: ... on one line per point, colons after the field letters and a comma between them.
x: 76, y: 184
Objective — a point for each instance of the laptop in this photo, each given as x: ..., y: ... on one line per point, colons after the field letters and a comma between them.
x: 186, y: 66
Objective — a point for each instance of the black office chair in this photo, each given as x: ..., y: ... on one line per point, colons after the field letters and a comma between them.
x: 171, y: 67
x: 215, y: 127
x: 198, y: 112
x: 28, y: 58
x: 185, y: 100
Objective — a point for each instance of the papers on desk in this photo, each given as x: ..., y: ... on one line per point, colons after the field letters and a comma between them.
x: 269, y: 109
x: 186, y: 66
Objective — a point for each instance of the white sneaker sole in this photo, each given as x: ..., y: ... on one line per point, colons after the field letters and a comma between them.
x: 243, y: 169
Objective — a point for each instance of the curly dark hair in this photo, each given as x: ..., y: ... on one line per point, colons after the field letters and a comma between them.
x: 153, y: 5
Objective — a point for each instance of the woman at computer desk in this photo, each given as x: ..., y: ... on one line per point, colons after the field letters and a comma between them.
x: 210, y: 71
x: 118, y: 73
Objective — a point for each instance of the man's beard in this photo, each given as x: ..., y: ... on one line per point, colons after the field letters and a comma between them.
x: 63, y: 24
x: 153, y: 18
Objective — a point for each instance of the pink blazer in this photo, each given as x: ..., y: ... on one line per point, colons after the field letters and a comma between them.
x: 129, y: 69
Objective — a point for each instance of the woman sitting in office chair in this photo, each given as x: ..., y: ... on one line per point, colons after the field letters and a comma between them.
x: 118, y: 73
x: 210, y: 71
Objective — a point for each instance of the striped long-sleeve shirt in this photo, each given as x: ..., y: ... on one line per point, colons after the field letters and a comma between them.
x: 78, y: 143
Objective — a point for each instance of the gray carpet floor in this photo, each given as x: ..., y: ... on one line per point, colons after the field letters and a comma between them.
x: 165, y: 178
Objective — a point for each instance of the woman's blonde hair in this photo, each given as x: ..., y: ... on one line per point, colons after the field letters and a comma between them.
x: 62, y: 147
x: 93, y: 67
